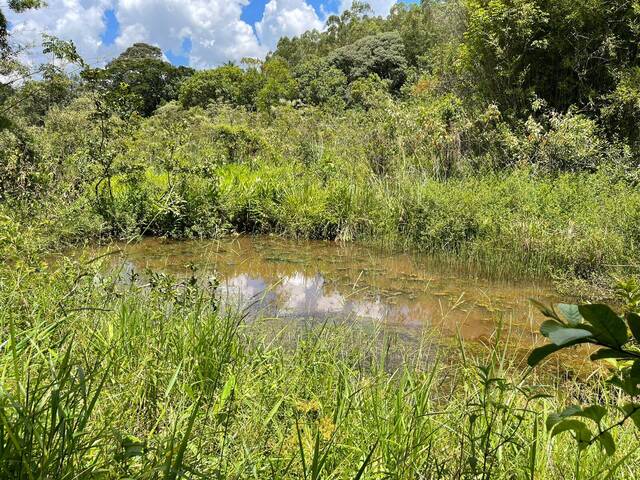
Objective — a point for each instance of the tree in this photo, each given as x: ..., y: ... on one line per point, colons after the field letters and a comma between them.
x: 415, y: 25
x: 320, y: 82
x: 13, y: 72
x: 36, y: 97
x: 341, y: 30
x: 563, y: 51
x: 369, y: 92
x: 6, y: 49
x: 252, y: 83
x: 279, y: 84
x: 21, y: 168
x: 148, y: 77
x: 222, y: 84
x: 381, y: 54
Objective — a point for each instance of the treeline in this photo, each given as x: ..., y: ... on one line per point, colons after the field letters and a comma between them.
x: 513, y: 59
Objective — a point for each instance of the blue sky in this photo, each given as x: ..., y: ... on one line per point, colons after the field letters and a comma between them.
x: 199, y: 33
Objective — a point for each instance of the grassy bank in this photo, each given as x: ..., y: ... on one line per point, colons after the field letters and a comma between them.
x: 106, y: 380
x: 379, y: 176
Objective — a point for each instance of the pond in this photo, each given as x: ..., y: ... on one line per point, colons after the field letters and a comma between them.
x: 289, y: 279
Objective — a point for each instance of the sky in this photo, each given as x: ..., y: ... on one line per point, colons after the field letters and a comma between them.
x: 198, y: 33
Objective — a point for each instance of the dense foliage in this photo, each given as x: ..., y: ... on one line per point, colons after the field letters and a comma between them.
x: 616, y: 339
x: 148, y: 78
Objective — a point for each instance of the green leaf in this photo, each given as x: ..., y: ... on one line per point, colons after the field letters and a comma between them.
x: 633, y: 320
x: 366, y: 462
x: 628, y: 380
x: 5, y: 123
x: 632, y: 410
x: 172, y: 382
x: 608, y: 327
x: 132, y: 446
x: 570, y: 313
x: 634, y: 372
x: 592, y: 412
x: 272, y: 412
x: 581, y: 431
x: 607, y: 443
x: 227, y: 390
x: 552, y: 420
x: 564, y: 336
x: 604, y: 353
x: 62, y: 49
x: 549, y: 326
x: 540, y: 353
x: 570, y: 411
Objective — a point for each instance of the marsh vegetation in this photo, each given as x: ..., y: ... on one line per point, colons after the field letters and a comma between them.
x: 495, y: 140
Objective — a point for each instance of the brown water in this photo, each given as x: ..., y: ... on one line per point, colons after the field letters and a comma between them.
x: 315, y: 279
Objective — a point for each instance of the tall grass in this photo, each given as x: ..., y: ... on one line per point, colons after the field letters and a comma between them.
x: 379, y: 176
x: 101, y: 377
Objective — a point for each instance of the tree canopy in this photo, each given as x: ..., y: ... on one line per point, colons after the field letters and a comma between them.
x: 148, y: 78
x: 381, y: 54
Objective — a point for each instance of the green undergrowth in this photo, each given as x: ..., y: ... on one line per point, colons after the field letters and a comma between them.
x: 569, y: 227
x: 380, y: 176
x: 105, y: 379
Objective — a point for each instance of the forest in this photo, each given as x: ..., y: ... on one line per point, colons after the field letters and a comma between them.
x: 502, y: 134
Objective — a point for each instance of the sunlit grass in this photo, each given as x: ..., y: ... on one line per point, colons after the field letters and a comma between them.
x: 101, y: 378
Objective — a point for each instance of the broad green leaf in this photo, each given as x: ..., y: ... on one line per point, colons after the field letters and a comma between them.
x: 580, y: 430
x: 604, y: 353
x: 608, y: 327
x: 592, y: 412
x: 563, y: 336
x: 552, y: 420
x: 570, y: 313
x: 607, y: 443
x: 627, y: 381
x: 540, y: 353
x: 570, y: 410
x: 549, y: 326
x: 633, y: 320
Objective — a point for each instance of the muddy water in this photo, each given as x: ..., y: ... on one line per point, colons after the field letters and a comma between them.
x: 314, y: 279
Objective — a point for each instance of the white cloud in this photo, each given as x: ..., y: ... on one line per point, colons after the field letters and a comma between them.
x: 286, y: 18
x: 131, y: 34
x: 217, y: 33
x: 67, y: 19
x: 215, y: 27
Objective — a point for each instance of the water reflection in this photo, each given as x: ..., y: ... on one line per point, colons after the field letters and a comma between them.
x: 289, y: 279
x: 298, y: 295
